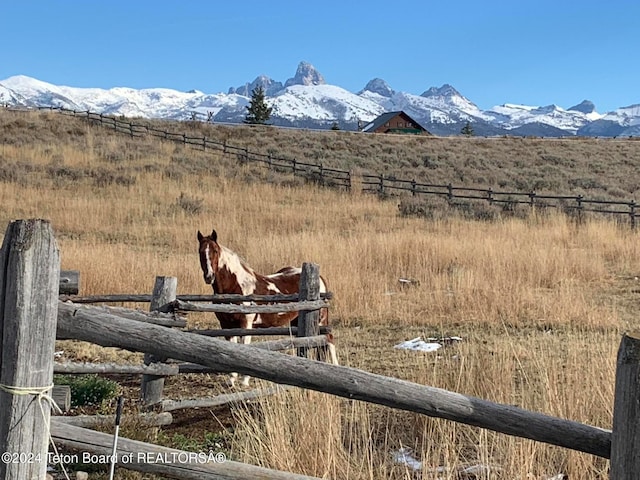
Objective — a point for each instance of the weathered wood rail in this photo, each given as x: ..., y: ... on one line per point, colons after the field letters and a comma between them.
x: 150, y: 419
x: 217, y: 298
x: 224, y: 399
x: 271, y: 308
x: 166, y: 319
x: 114, y: 368
x: 256, y: 332
x: 140, y: 456
x: 168, y: 369
x: 334, y: 379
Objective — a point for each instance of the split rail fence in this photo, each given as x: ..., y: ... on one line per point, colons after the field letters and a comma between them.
x: 167, y: 309
x: 374, y: 183
x: 32, y: 316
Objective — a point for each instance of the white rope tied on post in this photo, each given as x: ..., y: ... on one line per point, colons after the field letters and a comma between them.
x: 42, y: 394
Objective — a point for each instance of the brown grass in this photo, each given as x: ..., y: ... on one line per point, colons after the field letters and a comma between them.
x: 539, y: 301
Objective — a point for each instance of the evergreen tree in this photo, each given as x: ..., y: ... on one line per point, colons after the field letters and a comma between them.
x: 258, y: 112
x: 467, y: 130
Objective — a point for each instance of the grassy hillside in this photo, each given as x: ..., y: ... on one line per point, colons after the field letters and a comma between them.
x: 539, y: 301
x: 594, y: 168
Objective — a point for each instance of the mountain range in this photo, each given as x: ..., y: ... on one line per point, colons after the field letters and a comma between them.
x: 307, y: 101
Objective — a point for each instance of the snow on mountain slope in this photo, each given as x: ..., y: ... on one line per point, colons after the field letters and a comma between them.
x: 145, y: 103
x: 9, y: 97
x: 626, y: 116
x: 511, y: 116
x: 442, y: 105
x: 623, y: 121
x: 323, y: 102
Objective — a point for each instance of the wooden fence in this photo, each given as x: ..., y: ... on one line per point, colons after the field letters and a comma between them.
x: 167, y: 309
x: 373, y: 183
x: 29, y: 282
x: 30, y: 261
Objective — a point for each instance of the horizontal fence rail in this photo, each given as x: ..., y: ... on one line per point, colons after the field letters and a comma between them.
x: 373, y: 183
x: 248, y: 309
x: 215, y: 298
x: 256, y: 332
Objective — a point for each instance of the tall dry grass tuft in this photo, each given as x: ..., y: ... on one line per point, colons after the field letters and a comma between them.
x: 315, y: 434
x: 297, y: 431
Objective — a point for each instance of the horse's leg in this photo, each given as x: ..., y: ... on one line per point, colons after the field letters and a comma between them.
x: 246, y: 340
x: 332, y: 353
x: 327, y: 353
x: 329, y: 350
x: 233, y: 376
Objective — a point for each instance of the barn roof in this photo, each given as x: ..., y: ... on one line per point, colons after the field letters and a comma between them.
x: 386, y: 117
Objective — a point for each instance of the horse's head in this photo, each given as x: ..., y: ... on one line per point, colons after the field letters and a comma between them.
x: 209, y: 255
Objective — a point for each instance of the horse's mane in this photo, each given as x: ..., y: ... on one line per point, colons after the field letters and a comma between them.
x: 230, y: 253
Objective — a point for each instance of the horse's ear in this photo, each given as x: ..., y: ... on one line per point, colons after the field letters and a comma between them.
x: 214, y: 236
x: 200, y: 237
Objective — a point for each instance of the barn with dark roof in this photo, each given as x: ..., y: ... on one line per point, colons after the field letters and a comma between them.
x: 394, y: 122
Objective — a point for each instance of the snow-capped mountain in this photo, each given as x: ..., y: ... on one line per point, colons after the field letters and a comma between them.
x: 509, y: 116
x: 306, y: 100
x: 621, y: 122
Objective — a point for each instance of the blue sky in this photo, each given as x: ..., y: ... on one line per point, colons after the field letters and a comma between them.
x: 493, y: 52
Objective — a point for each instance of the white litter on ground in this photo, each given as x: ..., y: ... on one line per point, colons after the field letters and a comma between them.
x: 405, y: 456
x: 419, y: 345
x: 429, y: 345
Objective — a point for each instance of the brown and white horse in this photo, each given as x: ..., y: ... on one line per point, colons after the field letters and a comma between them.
x: 226, y: 272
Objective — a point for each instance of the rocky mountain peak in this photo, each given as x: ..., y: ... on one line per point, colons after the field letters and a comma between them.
x: 379, y: 86
x: 445, y: 90
x: 585, y: 106
x: 306, y: 74
x: 270, y: 86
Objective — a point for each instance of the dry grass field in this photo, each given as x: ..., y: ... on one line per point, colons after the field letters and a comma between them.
x: 540, y: 302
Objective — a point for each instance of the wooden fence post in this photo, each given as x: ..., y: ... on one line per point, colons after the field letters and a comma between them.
x: 29, y: 280
x: 580, y: 208
x: 625, y: 437
x: 164, y: 292
x: 308, y: 321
